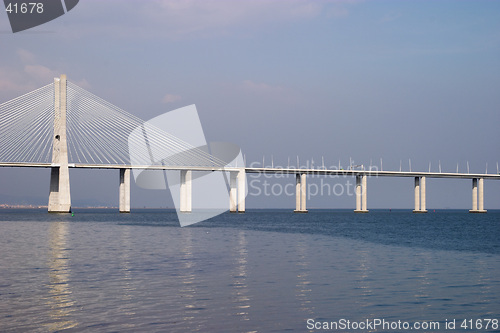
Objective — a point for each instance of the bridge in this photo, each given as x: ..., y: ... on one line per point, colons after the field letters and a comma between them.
x: 62, y: 126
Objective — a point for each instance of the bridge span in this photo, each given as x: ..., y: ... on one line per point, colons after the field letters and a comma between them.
x: 237, y: 189
x: 60, y: 141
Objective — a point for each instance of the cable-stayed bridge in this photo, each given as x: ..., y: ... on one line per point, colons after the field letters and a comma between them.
x: 62, y: 126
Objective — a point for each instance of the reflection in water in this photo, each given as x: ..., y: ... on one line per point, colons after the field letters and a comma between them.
x: 364, y: 279
x: 239, y: 275
x: 60, y: 302
x: 188, y: 290
x: 422, y: 293
x: 128, y: 287
x: 303, y: 289
x: 485, y: 291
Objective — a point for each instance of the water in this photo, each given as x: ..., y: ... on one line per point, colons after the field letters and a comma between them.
x: 262, y: 271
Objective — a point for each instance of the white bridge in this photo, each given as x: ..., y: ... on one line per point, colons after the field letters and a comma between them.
x: 62, y: 126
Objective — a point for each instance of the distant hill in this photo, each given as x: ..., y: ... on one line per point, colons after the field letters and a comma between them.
x: 22, y: 200
x: 13, y: 200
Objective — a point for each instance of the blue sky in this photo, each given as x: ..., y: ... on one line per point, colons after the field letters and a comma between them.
x: 366, y: 80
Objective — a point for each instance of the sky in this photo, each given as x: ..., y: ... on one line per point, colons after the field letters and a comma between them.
x: 322, y: 80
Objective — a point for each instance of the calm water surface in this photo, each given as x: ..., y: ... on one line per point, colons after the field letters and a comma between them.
x: 262, y: 271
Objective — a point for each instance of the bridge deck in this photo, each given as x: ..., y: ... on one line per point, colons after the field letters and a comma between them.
x: 319, y: 172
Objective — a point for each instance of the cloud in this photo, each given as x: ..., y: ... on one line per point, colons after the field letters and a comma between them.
x: 26, y: 56
x: 174, y: 19
x: 40, y: 73
x: 226, y: 12
x: 169, y: 98
x: 201, y: 17
x: 26, y: 75
x: 13, y: 83
x: 83, y: 83
x: 389, y: 17
x: 337, y: 12
x: 10, y: 81
x: 261, y: 88
x: 263, y: 93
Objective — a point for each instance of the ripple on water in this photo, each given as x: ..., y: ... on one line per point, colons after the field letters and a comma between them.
x: 98, y: 276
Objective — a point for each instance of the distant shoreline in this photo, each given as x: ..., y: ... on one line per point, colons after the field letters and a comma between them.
x: 375, y: 210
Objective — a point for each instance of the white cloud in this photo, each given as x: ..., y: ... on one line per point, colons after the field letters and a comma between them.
x: 40, y: 73
x: 10, y: 81
x: 225, y: 12
x: 189, y: 17
x: 25, y: 56
x: 83, y: 83
x: 261, y: 88
x: 176, y: 19
x: 14, y: 83
x: 389, y: 17
x: 26, y: 75
x: 169, y: 98
x: 337, y: 12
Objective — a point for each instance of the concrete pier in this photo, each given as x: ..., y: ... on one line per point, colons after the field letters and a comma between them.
x: 124, y: 190
x: 480, y: 195
x: 364, y: 206
x: 303, y: 192
x: 361, y: 204
x: 358, y: 194
x: 474, y: 195
x: 59, y: 196
x: 477, y: 196
x: 419, y: 189
x: 297, y: 193
x: 300, y: 193
x: 186, y: 191
x: 237, y: 191
x: 417, y: 195
x: 423, y: 205
x: 242, y: 189
x: 233, y: 191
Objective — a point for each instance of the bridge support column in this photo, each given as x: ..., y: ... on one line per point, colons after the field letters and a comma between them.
x: 303, y: 192
x: 364, y: 206
x: 297, y: 193
x: 59, y: 196
x: 474, y: 196
x: 300, y: 193
x: 233, y: 191
x: 477, y: 196
x: 480, y: 195
x: 124, y: 191
x: 242, y: 189
x: 237, y: 191
x: 361, y: 204
x: 358, y: 194
x: 423, y: 205
x: 419, y: 195
x: 185, y: 191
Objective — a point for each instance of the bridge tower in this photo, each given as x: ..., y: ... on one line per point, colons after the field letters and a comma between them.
x: 59, y: 197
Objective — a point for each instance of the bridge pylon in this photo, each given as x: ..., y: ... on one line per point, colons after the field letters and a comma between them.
x: 60, y: 197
